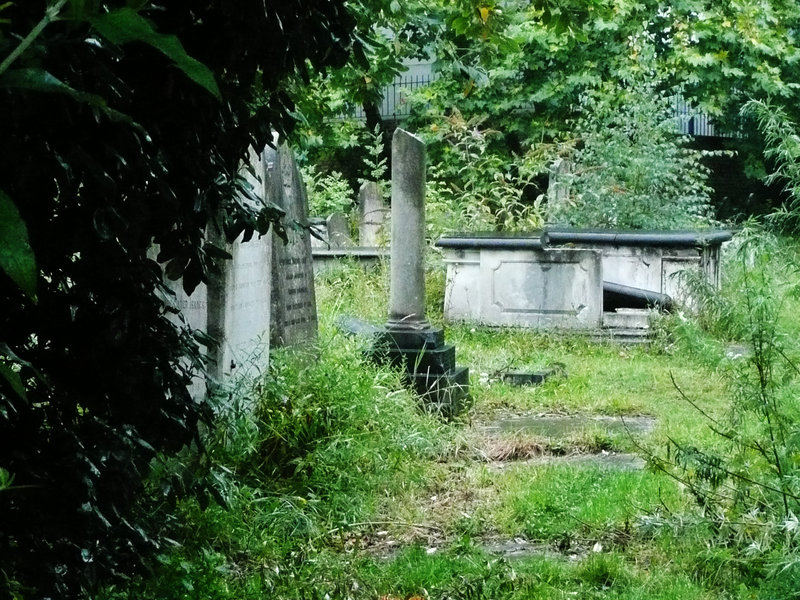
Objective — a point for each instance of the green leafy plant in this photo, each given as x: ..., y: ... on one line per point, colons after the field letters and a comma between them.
x: 746, y: 482
x: 328, y: 193
x: 375, y: 160
x: 130, y: 122
x: 632, y: 169
x: 782, y: 138
x: 473, y: 188
x: 295, y: 461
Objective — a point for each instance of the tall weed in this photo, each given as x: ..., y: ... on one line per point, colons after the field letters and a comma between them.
x: 473, y: 188
x: 747, y: 485
x: 632, y: 168
x: 302, y: 453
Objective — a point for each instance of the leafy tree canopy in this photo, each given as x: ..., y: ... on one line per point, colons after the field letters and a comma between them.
x: 521, y: 67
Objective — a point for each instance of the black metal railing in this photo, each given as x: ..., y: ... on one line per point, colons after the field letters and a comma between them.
x: 395, y: 106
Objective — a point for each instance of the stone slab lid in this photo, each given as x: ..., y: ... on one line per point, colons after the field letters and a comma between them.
x: 501, y: 240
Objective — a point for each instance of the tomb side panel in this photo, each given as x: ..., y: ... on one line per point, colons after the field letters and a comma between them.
x: 676, y: 261
x: 462, y: 294
x: 542, y: 288
x: 633, y: 266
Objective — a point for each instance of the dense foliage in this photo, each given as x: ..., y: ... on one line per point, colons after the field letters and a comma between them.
x: 124, y: 126
x: 745, y: 482
x: 521, y: 68
x: 631, y: 169
x: 303, y: 456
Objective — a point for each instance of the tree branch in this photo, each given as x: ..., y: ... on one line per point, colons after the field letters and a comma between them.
x: 50, y: 14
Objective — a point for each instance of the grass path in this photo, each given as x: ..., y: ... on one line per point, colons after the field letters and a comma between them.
x: 533, y: 507
x: 501, y: 514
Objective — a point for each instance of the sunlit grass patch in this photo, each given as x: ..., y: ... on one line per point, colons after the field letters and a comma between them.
x: 466, y: 572
x: 578, y: 502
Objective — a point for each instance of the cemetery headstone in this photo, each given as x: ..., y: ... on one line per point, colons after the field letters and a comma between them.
x: 372, y: 213
x: 293, y: 304
x: 319, y: 232
x: 233, y: 308
x: 239, y: 309
x: 558, y: 187
x: 194, y: 312
x: 238, y: 296
x: 339, y: 231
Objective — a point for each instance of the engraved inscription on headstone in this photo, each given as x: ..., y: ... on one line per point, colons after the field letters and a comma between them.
x: 294, y: 306
x: 239, y: 315
x: 194, y: 310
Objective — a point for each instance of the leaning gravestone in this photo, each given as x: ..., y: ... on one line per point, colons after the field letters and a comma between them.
x: 339, y: 231
x: 294, y: 306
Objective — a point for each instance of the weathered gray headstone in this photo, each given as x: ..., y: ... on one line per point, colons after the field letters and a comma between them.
x: 319, y: 232
x: 294, y: 306
x: 239, y: 309
x: 372, y: 213
x: 238, y: 296
x: 234, y: 307
x: 407, y: 291
x: 339, y: 231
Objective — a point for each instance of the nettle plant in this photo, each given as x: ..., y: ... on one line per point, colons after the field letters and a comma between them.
x: 746, y: 483
x: 782, y: 147
x: 328, y: 192
x: 631, y: 168
x: 473, y: 188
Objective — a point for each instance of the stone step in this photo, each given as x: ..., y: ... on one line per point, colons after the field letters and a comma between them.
x: 619, y: 335
x: 627, y: 318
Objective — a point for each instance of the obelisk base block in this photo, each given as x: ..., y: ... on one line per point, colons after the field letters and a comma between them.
x: 430, y: 367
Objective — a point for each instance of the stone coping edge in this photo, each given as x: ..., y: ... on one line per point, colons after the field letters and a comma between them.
x: 354, y: 251
x: 618, y: 237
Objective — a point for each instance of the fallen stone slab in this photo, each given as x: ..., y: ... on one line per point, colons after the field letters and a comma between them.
x: 622, y: 461
x: 549, y: 426
x: 523, y: 378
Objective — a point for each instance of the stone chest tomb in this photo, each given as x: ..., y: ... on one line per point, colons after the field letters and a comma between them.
x: 575, y: 279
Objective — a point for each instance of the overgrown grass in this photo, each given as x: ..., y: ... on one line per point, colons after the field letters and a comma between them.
x: 335, y: 485
x: 299, y: 459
